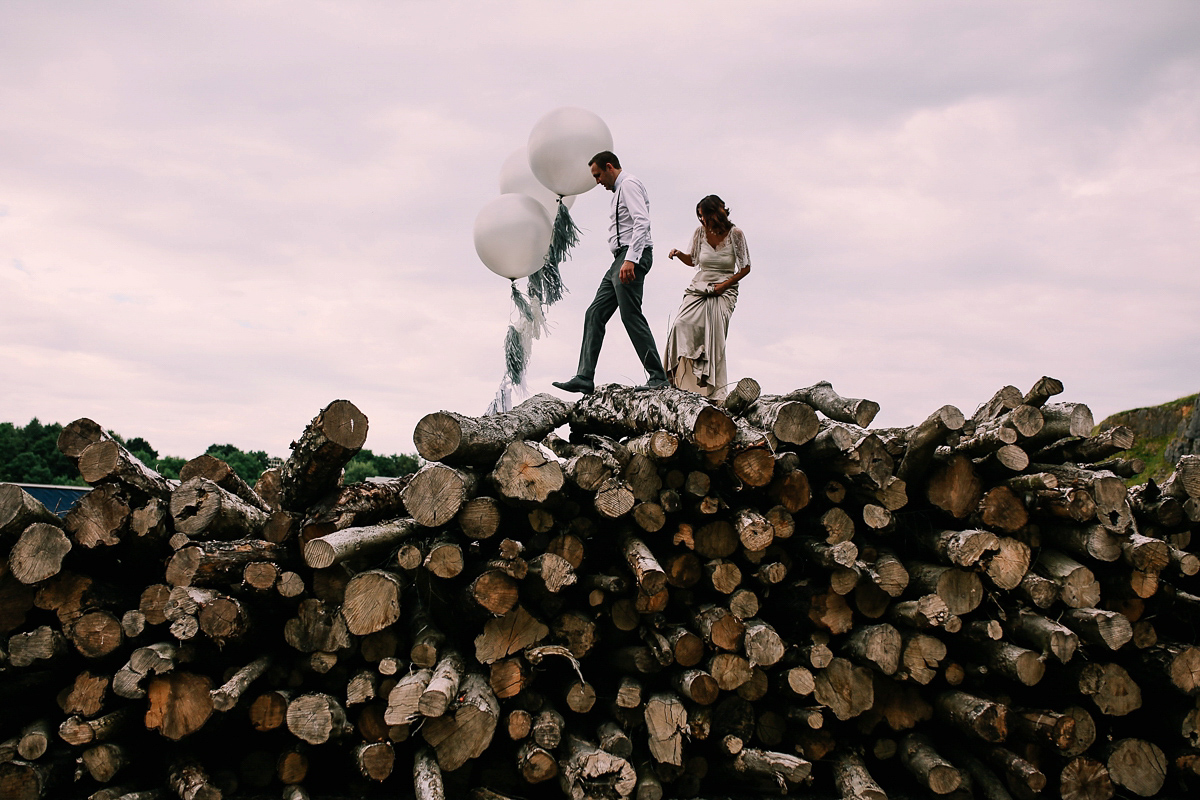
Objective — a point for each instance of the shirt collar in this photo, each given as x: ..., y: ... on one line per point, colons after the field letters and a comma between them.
x: 620, y: 179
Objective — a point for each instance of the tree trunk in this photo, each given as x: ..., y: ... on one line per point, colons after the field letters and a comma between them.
x: 616, y: 410
x: 314, y: 468
x: 227, y: 696
x: 923, y: 440
x: 823, y: 398
x: 180, y: 703
x: 666, y: 723
x: 585, y: 771
x: 1110, y: 687
x: 1049, y: 636
x: 436, y: 493
x: 931, y: 770
x: 465, y: 730
x: 954, y: 487
x: 1085, y: 779
x: 851, y: 777
x: 219, y: 562
x: 372, y: 601
x: 503, y: 636
x: 316, y: 718
x: 19, y: 510
x: 788, y: 421
x: 1137, y: 765
x: 845, y: 689
x: 527, y: 472
x: 106, y: 461
x: 38, y: 553
x: 189, y: 780
x: 98, y: 518
x: 202, y: 509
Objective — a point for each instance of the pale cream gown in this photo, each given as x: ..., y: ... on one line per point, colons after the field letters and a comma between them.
x: 695, y: 352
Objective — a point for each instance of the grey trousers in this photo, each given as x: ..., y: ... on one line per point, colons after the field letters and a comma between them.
x: 611, y: 295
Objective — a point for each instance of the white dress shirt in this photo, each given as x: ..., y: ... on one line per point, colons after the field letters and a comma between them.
x: 630, y: 217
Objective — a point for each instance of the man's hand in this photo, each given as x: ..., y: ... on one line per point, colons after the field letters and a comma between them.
x: 627, y: 272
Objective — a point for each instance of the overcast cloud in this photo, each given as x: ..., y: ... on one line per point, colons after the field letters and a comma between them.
x: 217, y: 217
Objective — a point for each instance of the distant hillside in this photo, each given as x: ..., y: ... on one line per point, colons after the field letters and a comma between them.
x: 1163, y: 432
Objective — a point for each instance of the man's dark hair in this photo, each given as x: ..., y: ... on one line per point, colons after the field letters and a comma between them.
x: 605, y: 157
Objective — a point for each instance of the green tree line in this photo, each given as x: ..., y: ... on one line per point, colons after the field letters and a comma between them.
x: 30, y: 454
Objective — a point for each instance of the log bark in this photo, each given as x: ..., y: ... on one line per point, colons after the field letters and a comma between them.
x: 478, y: 441
x: 962, y: 591
x: 19, y: 510
x: 1076, y: 583
x: 465, y: 730
x: 974, y: 716
x: 107, y: 461
x: 823, y: 398
x: 923, y: 440
x: 349, y: 543
x: 315, y: 465
x: 206, y: 563
x: 930, y: 770
x: 202, y: 509
x: 220, y: 473
x: 623, y: 411
x: 586, y: 771
x: 190, y: 782
x: 1098, y: 626
x: 851, y: 777
x: 1049, y: 636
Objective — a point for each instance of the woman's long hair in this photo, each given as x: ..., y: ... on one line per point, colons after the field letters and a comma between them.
x: 712, y: 209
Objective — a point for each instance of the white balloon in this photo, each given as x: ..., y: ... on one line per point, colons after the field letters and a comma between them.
x: 515, y: 176
x: 512, y: 235
x: 560, y: 146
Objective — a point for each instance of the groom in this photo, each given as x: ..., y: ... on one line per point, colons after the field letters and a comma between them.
x: 621, y: 287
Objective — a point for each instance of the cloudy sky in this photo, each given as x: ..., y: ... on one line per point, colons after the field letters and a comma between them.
x: 217, y: 217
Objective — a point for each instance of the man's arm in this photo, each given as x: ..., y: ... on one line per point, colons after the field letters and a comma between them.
x: 638, y: 205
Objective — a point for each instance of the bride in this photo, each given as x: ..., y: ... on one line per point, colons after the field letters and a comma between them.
x: 695, y: 353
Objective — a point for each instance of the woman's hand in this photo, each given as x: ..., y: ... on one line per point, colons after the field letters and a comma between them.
x: 672, y: 254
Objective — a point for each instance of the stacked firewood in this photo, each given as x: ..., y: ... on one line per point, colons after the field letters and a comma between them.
x: 678, y: 598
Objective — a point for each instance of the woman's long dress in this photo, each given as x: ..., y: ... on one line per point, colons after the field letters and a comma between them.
x: 695, y: 352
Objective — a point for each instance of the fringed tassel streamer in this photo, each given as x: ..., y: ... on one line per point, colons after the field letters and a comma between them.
x: 545, y: 288
x: 547, y: 284
x: 515, y: 357
x: 520, y: 303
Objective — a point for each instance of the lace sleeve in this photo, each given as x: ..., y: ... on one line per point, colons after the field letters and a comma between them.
x: 741, y: 251
x: 697, y: 237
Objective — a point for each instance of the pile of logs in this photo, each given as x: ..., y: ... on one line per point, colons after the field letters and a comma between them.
x: 678, y: 599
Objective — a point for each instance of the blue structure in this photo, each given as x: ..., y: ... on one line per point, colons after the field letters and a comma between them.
x: 59, y: 499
